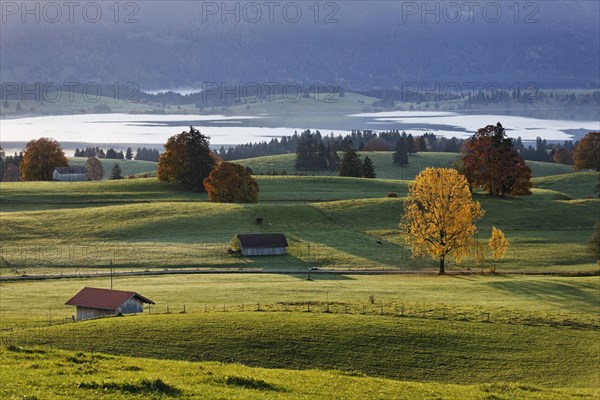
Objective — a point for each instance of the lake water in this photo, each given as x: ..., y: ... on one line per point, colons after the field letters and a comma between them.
x: 227, y: 130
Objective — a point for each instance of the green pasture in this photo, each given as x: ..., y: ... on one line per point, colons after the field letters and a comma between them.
x: 345, y: 223
x: 36, y: 373
x: 384, y: 165
x: 136, y: 168
x: 550, y: 298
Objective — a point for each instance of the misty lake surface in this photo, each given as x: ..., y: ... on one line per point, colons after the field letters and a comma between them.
x: 228, y: 130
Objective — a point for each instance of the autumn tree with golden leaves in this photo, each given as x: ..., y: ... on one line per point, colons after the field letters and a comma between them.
x: 439, y: 215
x: 40, y: 158
x: 498, y: 245
x: 231, y: 183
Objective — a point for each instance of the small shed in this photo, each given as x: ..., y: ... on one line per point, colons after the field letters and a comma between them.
x: 75, y: 173
x: 262, y: 244
x: 95, y: 303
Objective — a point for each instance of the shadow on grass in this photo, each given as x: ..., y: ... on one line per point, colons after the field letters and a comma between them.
x: 324, y: 277
x: 560, y: 293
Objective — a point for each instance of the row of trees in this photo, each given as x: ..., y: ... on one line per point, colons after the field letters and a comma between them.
x: 310, y: 142
x: 141, y: 153
x: 100, y: 153
x: 145, y: 154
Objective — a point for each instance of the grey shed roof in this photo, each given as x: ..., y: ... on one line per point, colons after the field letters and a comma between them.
x: 261, y: 240
x: 76, y: 169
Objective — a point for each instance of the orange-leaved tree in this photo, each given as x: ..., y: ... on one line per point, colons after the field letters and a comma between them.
x: 439, y: 215
x: 586, y: 154
x: 491, y: 162
x: 187, y: 160
x: 40, y: 158
x: 562, y: 156
x: 231, y: 183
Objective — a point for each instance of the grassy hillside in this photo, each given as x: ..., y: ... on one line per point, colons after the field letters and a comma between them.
x: 128, y: 167
x: 548, y: 300
x: 384, y: 166
x: 283, y: 336
x: 322, y: 103
x: 32, y: 373
x: 577, y: 184
x: 406, y: 349
x: 75, y: 103
x: 142, y: 223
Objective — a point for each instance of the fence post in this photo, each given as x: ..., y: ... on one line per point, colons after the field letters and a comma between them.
x: 403, y: 311
x: 184, y: 308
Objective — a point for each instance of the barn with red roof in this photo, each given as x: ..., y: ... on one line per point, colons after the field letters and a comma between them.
x: 95, y: 303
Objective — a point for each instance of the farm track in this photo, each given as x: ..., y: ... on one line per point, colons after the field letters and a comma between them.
x: 281, y: 272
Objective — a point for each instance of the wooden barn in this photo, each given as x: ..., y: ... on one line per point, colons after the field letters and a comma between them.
x: 262, y: 244
x: 94, y: 303
x: 76, y: 173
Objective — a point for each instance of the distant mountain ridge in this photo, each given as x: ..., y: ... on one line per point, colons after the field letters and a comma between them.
x: 372, y: 45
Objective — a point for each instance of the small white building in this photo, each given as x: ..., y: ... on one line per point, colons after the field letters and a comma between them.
x: 75, y: 173
x: 95, y: 303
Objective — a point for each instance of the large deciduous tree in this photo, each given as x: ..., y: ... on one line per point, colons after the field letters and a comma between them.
x: 439, y: 215
x: 586, y: 154
x: 40, y: 159
x: 491, y: 162
x: 562, y: 156
x: 187, y: 160
x: 231, y: 183
x: 95, y: 170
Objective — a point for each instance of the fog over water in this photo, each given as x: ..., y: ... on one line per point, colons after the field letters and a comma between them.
x: 229, y: 130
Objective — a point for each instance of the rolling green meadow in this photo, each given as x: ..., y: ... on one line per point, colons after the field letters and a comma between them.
x: 373, y: 322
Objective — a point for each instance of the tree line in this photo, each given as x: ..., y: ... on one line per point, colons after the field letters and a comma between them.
x: 110, y: 154
x: 143, y: 153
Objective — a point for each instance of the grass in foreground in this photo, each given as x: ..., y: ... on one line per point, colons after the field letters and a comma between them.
x: 393, y: 347
x: 42, y: 373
